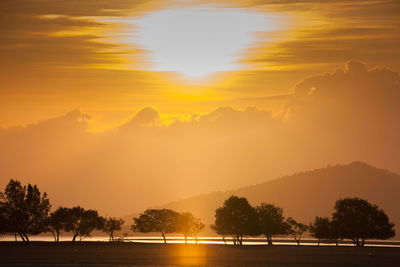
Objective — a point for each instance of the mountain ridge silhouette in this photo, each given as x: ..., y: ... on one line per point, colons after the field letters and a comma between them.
x: 306, y: 194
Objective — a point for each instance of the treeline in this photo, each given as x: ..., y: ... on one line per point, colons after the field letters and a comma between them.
x: 24, y: 211
x: 354, y: 219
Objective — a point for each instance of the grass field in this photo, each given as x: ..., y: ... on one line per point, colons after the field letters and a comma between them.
x: 130, y: 254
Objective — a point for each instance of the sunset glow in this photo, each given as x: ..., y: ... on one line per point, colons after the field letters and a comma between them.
x: 199, y: 41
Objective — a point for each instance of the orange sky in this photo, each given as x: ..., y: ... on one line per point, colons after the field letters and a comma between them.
x: 215, y: 95
x: 59, y: 56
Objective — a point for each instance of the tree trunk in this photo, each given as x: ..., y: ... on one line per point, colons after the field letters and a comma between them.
x: 73, y: 239
x: 195, y: 238
x: 26, y: 239
x: 269, y: 240
x: 165, y: 240
x: 362, y: 242
x: 22, y: 237
x: 318, y: 242
x: 297, y: 241
x: 223, y: 238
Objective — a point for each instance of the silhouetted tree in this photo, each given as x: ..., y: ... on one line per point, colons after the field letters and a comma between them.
x: 320, y: 229
x: 57, y: 222
x: 237, y: 218
x: 156, y: 220
x: 296, y: 229
x: 111, y: 225
x: 82, y: 222
x: 188, y: 225
x: 271, y: 221
x: 324, y: 229
x: 25, y: 209
x: 357, y: 219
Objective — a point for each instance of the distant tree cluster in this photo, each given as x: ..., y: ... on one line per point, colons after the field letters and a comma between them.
x: 237, y: 218
x: 166, y: 221
x: 354, y: 219
x: 24, y: 211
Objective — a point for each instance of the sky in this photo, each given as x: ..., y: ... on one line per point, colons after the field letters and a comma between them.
x: 179, y: 97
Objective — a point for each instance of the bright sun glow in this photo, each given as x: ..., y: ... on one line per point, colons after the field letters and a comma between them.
x: 199, y: 41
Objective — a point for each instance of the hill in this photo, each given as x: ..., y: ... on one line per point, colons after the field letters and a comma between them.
x: 312, y: 193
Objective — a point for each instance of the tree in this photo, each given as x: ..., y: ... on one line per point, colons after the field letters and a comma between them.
x: 271, y: 221
x: 188, y: 225
x: 324, y: 229
x: 321, y: 228
x: 296, y: 229
x: 357, y: 219
x: 111, y: 225
x: 57, y: 222
x: 156, y: 220
x: 24, y: 209
x: 237, y: 218
x: 82, y: 222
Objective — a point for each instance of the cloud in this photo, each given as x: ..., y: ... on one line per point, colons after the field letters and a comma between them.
x: 326, y: 33
x: 337, y: 117
x: 59, y: 55
x: 47, y: 34
x: 70, y: 8
x: 146, y: 117
x: 331, y: 47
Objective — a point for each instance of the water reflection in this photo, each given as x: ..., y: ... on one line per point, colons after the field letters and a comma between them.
x: 213, y: 240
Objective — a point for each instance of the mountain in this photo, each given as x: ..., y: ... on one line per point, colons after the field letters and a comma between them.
x: 307, y: 194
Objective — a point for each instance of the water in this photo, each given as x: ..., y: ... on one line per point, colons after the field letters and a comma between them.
x: 212, y: 240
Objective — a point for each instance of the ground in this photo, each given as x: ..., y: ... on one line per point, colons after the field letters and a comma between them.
x: 130, y: 254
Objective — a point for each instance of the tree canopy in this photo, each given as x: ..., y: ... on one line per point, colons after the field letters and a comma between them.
x: 236, y: 218
x: 24, y: 210
x: 156, y: 220
x: 57, y: 222
x: 296, y: 229
x: 111, y: 225
x: 188, y: 225
x: 357, y: 219
x: 323, y: 229
x: 271, y: 221
x: 82, y: 222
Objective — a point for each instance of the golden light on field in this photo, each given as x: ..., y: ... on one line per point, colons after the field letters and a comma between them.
x: 190, y: 255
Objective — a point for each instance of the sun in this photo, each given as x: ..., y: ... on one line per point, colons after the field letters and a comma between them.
x: 199, y: 41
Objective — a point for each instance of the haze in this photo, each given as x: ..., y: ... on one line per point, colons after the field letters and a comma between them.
x: 123, y: 105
